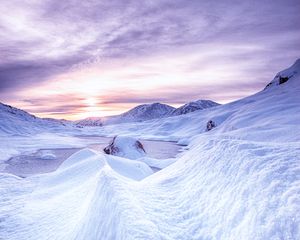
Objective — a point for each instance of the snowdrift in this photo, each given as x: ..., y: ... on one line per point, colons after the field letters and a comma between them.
x: 241, y: 180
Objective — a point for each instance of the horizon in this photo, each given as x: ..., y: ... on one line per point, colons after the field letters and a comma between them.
x: 74, y: 60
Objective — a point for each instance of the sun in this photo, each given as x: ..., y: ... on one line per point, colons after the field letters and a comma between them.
x: 92, y: 108
x: 91, y: 101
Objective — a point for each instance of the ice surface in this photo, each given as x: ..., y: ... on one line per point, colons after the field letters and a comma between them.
x: 16, y: 145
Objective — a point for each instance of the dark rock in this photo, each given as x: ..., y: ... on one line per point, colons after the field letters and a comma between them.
x: 210, y: 125
x: 283, y: 80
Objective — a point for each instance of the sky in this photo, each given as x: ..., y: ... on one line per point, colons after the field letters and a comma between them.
x: 73, y: 59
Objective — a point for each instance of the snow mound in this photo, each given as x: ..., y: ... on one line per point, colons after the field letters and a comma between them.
x: 80, y: 163
x: 126, y: 147
x: 157, y: 163
x: 133, y: 169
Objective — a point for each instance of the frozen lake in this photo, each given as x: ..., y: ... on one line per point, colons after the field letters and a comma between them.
x: 48, y: 160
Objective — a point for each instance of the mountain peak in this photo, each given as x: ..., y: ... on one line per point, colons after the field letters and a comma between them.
x: 194, y: 106
x: 286, y: 75
x: 148, y: 111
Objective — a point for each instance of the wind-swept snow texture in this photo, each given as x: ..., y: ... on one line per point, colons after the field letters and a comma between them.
x: 241, y: 180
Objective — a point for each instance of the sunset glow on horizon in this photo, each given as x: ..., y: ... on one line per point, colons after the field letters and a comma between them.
x: 74, y: 60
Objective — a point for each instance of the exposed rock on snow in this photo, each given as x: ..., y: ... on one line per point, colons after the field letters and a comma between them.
x: 285, y: 75
x: 210, y: 125
x: 127, y: 147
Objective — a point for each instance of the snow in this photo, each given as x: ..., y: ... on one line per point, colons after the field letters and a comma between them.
x: 24, y: 144
x: 47, y: 155
x: 157, y: 163
x: 127, y: 147
x: 285, y: 75
x: 90, y: 121
x: 18, y: 122
x: 241, y: 180
x: 193, y: 106
x: 142, y: 113
x: 147, y: 112
x: 133, y: 169
x: 139, y: 113
x: 129, y: 168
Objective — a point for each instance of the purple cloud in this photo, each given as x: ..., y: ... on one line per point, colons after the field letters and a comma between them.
x: 41, y: 40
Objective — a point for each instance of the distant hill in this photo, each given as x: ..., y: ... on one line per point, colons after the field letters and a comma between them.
x: 146, y: 112
x: 194, y: 106
x: 17, y: 121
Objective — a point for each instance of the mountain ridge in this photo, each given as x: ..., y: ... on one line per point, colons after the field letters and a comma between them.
x: 146, y: 112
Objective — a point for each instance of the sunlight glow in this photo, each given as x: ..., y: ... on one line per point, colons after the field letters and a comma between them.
x: 108, y: 88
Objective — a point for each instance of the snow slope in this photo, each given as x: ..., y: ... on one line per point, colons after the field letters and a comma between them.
x: 21, y: 132
x: 15, y: 121
x: 240, y: 180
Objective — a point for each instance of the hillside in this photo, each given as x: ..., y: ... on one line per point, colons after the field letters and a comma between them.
x: 17, y: 121
x: 193, y: 106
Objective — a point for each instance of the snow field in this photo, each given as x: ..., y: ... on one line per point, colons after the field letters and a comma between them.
x: 240, y: 180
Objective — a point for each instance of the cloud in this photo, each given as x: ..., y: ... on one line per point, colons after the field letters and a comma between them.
x: 42, y: 40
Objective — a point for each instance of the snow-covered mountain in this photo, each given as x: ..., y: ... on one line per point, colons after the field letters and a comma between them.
x: 238, y: 181
x: 137, y: 114
x: 17, y: 121
x: 90, y: 121
x: 147, y: 112
x: 144, y: 112
x: 193, y: 106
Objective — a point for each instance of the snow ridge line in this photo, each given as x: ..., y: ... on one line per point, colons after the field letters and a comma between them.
x: 115, y: 202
